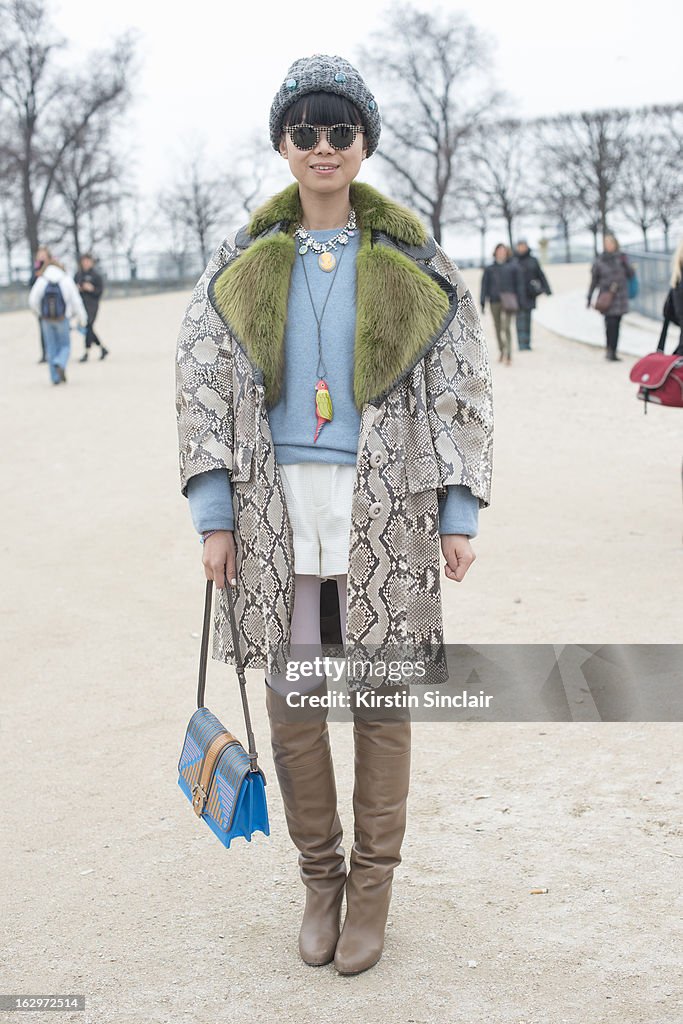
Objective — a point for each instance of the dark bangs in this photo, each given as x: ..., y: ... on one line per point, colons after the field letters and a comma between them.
x: 324, y: 108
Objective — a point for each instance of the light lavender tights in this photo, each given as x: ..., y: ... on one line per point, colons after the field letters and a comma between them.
x: 306, y: 630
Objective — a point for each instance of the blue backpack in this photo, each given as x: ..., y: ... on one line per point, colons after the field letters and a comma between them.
x: 53, y: 306
x: 633, y: 287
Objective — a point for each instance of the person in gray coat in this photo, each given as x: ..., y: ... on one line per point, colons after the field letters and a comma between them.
x: 610, y: 274
x: 500, y: 281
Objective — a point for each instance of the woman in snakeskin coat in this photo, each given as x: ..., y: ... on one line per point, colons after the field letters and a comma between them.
x: 421, y: 386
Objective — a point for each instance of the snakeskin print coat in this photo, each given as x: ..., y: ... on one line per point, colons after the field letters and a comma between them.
x: 422, y: 384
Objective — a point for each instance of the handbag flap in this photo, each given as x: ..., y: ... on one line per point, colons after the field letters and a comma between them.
x: 229, y: 771
x: 652, y: 370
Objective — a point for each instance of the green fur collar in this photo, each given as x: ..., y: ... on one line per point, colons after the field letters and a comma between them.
x: 373, y: 210
x: 401, y: 309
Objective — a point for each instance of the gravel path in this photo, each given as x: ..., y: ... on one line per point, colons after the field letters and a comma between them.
x: 111, y: 888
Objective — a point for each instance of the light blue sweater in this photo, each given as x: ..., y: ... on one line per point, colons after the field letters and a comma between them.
x: 293, y: 418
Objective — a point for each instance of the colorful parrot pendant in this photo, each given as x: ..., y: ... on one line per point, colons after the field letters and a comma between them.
x: 323, y: 406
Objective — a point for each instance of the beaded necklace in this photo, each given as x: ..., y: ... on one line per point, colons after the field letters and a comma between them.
x: 327, y: 261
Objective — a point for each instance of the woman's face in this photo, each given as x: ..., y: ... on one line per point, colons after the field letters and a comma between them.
x: 323, y: 169
x: 501, y: 254
x: 610, y: 244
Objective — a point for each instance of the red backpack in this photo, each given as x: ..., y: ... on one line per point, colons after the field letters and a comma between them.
x: 660, y: 377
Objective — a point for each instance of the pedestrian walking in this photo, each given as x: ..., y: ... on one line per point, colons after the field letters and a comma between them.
x: 55, y: 299
x: 610, y: 275
x: 334, y: 403
x: 534, y: 283
x: 41, y: 259
x: 501, y: 285
x: 90, y: 285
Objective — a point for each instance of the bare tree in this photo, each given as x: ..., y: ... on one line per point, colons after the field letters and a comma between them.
x: 435, y: 66
x: 652, y: 185
x: 670, y: 118
x: 44, y: 109
x: 591, y: 146
x: 177, y: 235
x: 87, y: 183
x: 203, y: 198
x: 129, y: 217
x: 558, y: 199
x: 195, y: 204
x: 641, y: 172
x: 558, y: 191
x: 11, y: 230
x: 475, y: 211
x: 254, y: 167
x: 503, y: 169
x: 668, y: 202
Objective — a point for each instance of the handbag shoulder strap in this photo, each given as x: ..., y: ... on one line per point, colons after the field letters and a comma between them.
x: 662, y: 336
x: 204, y: 657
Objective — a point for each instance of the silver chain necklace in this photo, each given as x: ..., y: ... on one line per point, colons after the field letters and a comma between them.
x: 327, y: 261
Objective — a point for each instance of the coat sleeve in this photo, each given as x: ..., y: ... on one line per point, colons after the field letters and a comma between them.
x: 203, y: 379
x: 629, y: 269
x: 543, y: 279
x: 98, y: 285
x: 36, y: 295
x: 460, y: 394
x: 677, y: 298
x: 519, y: 284
x: 75, y: 302
x: 485, y: 286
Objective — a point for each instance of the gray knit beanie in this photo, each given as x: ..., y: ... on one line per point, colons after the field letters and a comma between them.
x: 322, y: 73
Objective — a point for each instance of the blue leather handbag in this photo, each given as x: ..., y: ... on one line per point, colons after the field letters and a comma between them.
x: 221, y: 780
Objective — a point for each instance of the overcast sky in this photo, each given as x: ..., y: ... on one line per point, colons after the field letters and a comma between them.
x: 209, y: 69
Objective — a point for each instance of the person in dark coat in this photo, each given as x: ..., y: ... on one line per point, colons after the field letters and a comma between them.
x: 90, y: 285
x: 501, y: 276
x: 611, y: 273
x: 534, y: 283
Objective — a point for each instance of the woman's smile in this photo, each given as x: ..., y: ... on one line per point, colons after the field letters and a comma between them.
x: 323, y: 168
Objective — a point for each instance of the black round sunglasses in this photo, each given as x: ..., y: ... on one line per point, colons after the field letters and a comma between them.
x: 339, y: 136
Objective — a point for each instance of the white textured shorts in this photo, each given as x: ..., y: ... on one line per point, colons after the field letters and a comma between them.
x: 319, y: 497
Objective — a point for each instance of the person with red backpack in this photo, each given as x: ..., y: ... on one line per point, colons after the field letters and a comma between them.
x: 673, y: 306
x: 55, y: 299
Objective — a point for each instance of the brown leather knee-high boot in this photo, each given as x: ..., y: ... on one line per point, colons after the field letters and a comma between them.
x: 382, y: 781
x: 303, y: 764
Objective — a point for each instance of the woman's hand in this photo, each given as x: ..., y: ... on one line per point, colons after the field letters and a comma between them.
x: 459, y: 555
x: 219, y: 557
